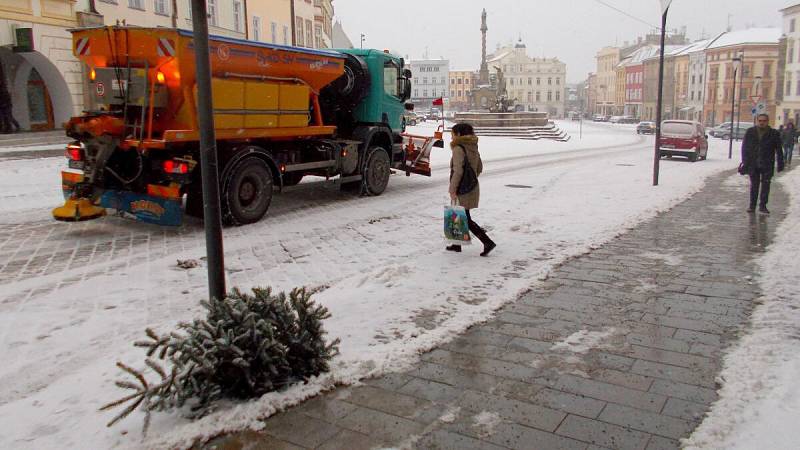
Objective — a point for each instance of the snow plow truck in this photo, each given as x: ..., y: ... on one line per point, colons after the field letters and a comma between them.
x: 280, y: 113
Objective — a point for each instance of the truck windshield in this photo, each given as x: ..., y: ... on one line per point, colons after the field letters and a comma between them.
x: 391, y: 75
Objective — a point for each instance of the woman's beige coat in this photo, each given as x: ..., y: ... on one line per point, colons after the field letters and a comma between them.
x: 465, y: 146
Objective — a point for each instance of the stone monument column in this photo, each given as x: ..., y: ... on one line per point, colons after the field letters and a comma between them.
x: 484, y: 72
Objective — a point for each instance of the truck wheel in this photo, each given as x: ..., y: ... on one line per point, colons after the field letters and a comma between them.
x: 376, y: 171
x: 247, y: 192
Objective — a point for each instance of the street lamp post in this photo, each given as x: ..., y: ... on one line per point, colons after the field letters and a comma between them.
x: 657, y: 157
x: 212, y: 220
x: 741, y: 79
x: 737, y: 62
x: 362, y: 39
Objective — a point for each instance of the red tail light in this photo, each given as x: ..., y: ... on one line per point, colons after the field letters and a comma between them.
x: 74, y: 152
x: 177, y: 167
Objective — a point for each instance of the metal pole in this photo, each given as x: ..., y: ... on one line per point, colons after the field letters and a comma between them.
x: 741, y: 79
x: 733, y: 111
x: 208, y: 154
x: 294, y: 19
x: 659, y: 103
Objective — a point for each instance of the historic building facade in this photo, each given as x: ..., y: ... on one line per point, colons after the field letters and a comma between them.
x: 536, y: 84
x: 429, y: 81
x: 757, y: 76
x: 607, y: 60
x: 789, y: 61
x: 269, y: 21
x: 462, y: 82
x: 37, y: 66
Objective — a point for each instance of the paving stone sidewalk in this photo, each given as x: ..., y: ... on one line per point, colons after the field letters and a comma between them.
x: 619, y: 349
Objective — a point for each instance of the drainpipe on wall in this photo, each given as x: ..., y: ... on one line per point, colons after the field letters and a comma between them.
x: 174, y: 13
x: 246, y: 22
x: 292, y: 19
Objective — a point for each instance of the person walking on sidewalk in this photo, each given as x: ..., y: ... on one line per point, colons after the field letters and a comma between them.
x: 789, y: 138
x: 465, y: 151
x: 7, y: 122
x: 760, y: 146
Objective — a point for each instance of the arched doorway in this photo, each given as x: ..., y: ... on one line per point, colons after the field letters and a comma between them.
x: 41, y: 98
x: 40, y: 107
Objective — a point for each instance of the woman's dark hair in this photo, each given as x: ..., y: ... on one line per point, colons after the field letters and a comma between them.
x: 463, y: 129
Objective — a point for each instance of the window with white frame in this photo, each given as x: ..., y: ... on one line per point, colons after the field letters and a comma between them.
x: 299, y: 36
x: 211, y: 6
x: 286, y: 35
x: 256, y: 28
x: 237, y: 15
x: 160, y: 7
x: 273, y: 31
x: 136, y: 4
x: 309, y: 34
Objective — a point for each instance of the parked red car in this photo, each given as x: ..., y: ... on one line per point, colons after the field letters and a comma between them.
x: 683, y: 138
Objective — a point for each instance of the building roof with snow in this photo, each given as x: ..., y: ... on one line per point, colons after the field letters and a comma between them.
x: 637, y: 57
x: 751, y: 36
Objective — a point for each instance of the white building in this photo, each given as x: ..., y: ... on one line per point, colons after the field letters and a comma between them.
x: 697, y: 80
x: 430, y: 81
x: 537, y: 84
x: 789, y: 107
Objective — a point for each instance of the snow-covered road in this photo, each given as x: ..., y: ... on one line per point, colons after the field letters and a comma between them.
x: 75, y: 296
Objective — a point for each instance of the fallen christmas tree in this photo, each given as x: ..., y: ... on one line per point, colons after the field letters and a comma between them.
x: 246, y: 346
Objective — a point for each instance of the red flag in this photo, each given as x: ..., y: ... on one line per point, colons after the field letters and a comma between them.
x: 438, y: 102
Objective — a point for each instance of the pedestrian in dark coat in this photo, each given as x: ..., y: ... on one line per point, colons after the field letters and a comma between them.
x: 465, y: 150
x: 788, y: 138
x: 760, y: 146
x: 7, y: 121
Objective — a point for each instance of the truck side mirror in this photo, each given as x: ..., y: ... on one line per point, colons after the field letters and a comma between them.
x: 407, y: 73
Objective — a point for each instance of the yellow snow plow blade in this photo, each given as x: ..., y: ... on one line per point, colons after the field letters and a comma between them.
x: 78, y: 209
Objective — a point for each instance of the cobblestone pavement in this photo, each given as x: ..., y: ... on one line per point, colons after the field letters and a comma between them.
x: 619, y: 348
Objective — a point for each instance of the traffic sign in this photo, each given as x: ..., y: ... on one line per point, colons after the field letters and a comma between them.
x: 759, y: 108
x: 755, y: 99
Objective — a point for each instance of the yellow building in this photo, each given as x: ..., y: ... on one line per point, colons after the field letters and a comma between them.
x: 270, y: 21
x: 461, y: 84
x: 619, y: 90
x: 38, y: 67
x: 608, y: 59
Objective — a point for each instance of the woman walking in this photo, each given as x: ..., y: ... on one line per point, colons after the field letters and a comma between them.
x: 465, y: 151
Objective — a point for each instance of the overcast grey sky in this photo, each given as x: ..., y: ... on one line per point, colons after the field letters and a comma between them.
x: 572, y: 30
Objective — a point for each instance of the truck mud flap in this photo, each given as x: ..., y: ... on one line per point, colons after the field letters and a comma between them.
x: 146, y: 208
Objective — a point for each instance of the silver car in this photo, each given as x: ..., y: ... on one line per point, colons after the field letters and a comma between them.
x: 723, y: 130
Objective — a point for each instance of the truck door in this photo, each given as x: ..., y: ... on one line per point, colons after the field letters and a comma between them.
x: 393, y: 107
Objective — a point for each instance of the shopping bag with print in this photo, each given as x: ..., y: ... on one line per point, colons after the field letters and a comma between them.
x: 456, y: 226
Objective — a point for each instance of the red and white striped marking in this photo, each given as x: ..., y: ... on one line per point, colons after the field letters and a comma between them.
x: 166, y: 47
x: 82, y: 47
